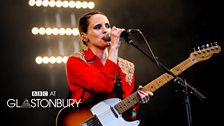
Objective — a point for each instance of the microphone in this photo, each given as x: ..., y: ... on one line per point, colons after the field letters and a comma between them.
x: 123, y: 35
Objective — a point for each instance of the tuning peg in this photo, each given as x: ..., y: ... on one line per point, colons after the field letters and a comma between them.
x: 194, y: 49
x: 199, y: 50
x: 216, y: 45
x: 207, y: 48
x: 203, y: 46
x: 211, y: 44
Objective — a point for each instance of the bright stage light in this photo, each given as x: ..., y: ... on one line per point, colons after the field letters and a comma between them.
x: 59, y: 59
x: 38, y: 60
x: 45, y: 3
x: 65, y: 58
x: 38, y: 3
x: 58, y: 3
x: 49, y: 31
x: 32, y: 3
x: 51, y: 3
x: 41, y: 31
x: 45, y: 60
x: 71, y: 4
x: 91, y: 5
x: 62, y: 4
x: 55, y: 31
x: 35, y: 30
x: 84, y: 4
x: 65, y: 4
x: 51, y: 59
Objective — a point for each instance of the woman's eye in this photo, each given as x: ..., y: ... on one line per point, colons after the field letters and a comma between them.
x: 97, y: 26
x: 107, y: 25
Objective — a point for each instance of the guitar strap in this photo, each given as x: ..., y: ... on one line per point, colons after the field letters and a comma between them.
x: 117, y: 86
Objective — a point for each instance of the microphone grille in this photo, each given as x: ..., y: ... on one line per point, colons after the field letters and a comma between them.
x: 107, y: 37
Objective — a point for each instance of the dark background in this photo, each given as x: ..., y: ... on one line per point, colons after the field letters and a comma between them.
x: 173, y: 28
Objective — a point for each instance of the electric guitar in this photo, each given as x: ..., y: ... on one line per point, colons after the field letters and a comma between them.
x: 109, y: 112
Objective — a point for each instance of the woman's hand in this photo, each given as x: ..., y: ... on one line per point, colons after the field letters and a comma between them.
x: 114, y: 43
x: 115, y: 36
x: 144, y: 95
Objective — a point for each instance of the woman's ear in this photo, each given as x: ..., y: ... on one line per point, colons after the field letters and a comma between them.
x: 84, y: 37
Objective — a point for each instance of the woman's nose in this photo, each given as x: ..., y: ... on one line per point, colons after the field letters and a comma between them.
x: 104, y: 29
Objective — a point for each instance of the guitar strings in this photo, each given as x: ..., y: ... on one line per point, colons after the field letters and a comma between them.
x: 93, y: 122
x: 96, y: 120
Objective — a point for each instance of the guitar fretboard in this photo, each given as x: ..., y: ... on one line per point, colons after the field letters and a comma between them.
x: 133, y: 99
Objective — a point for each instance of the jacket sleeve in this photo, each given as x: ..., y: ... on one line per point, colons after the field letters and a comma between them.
x: 81, y: 74
x: 128, y: 87
x: 128, y: 78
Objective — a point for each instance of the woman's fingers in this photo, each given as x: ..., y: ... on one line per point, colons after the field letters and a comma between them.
x: 144, y: 95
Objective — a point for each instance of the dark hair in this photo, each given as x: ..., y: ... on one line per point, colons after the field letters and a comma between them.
x: 84, y: 20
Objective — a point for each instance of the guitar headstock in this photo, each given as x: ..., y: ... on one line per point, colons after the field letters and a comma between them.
x: 205, y: 52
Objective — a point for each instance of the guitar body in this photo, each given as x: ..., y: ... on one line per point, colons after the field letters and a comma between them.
x: 107, y: 112
x: 101, y: 114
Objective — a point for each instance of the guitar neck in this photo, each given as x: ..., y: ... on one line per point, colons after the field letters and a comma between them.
x: 133, y: 99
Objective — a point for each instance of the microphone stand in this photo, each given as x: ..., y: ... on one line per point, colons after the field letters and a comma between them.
x: 177, y: 79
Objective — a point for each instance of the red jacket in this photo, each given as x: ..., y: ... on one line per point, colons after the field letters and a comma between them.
x: 87, y: 76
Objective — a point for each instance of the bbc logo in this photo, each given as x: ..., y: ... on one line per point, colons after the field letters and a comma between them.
x: 39, y: 93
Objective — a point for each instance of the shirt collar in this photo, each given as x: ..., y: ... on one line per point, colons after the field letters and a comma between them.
x: 89, y: 54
